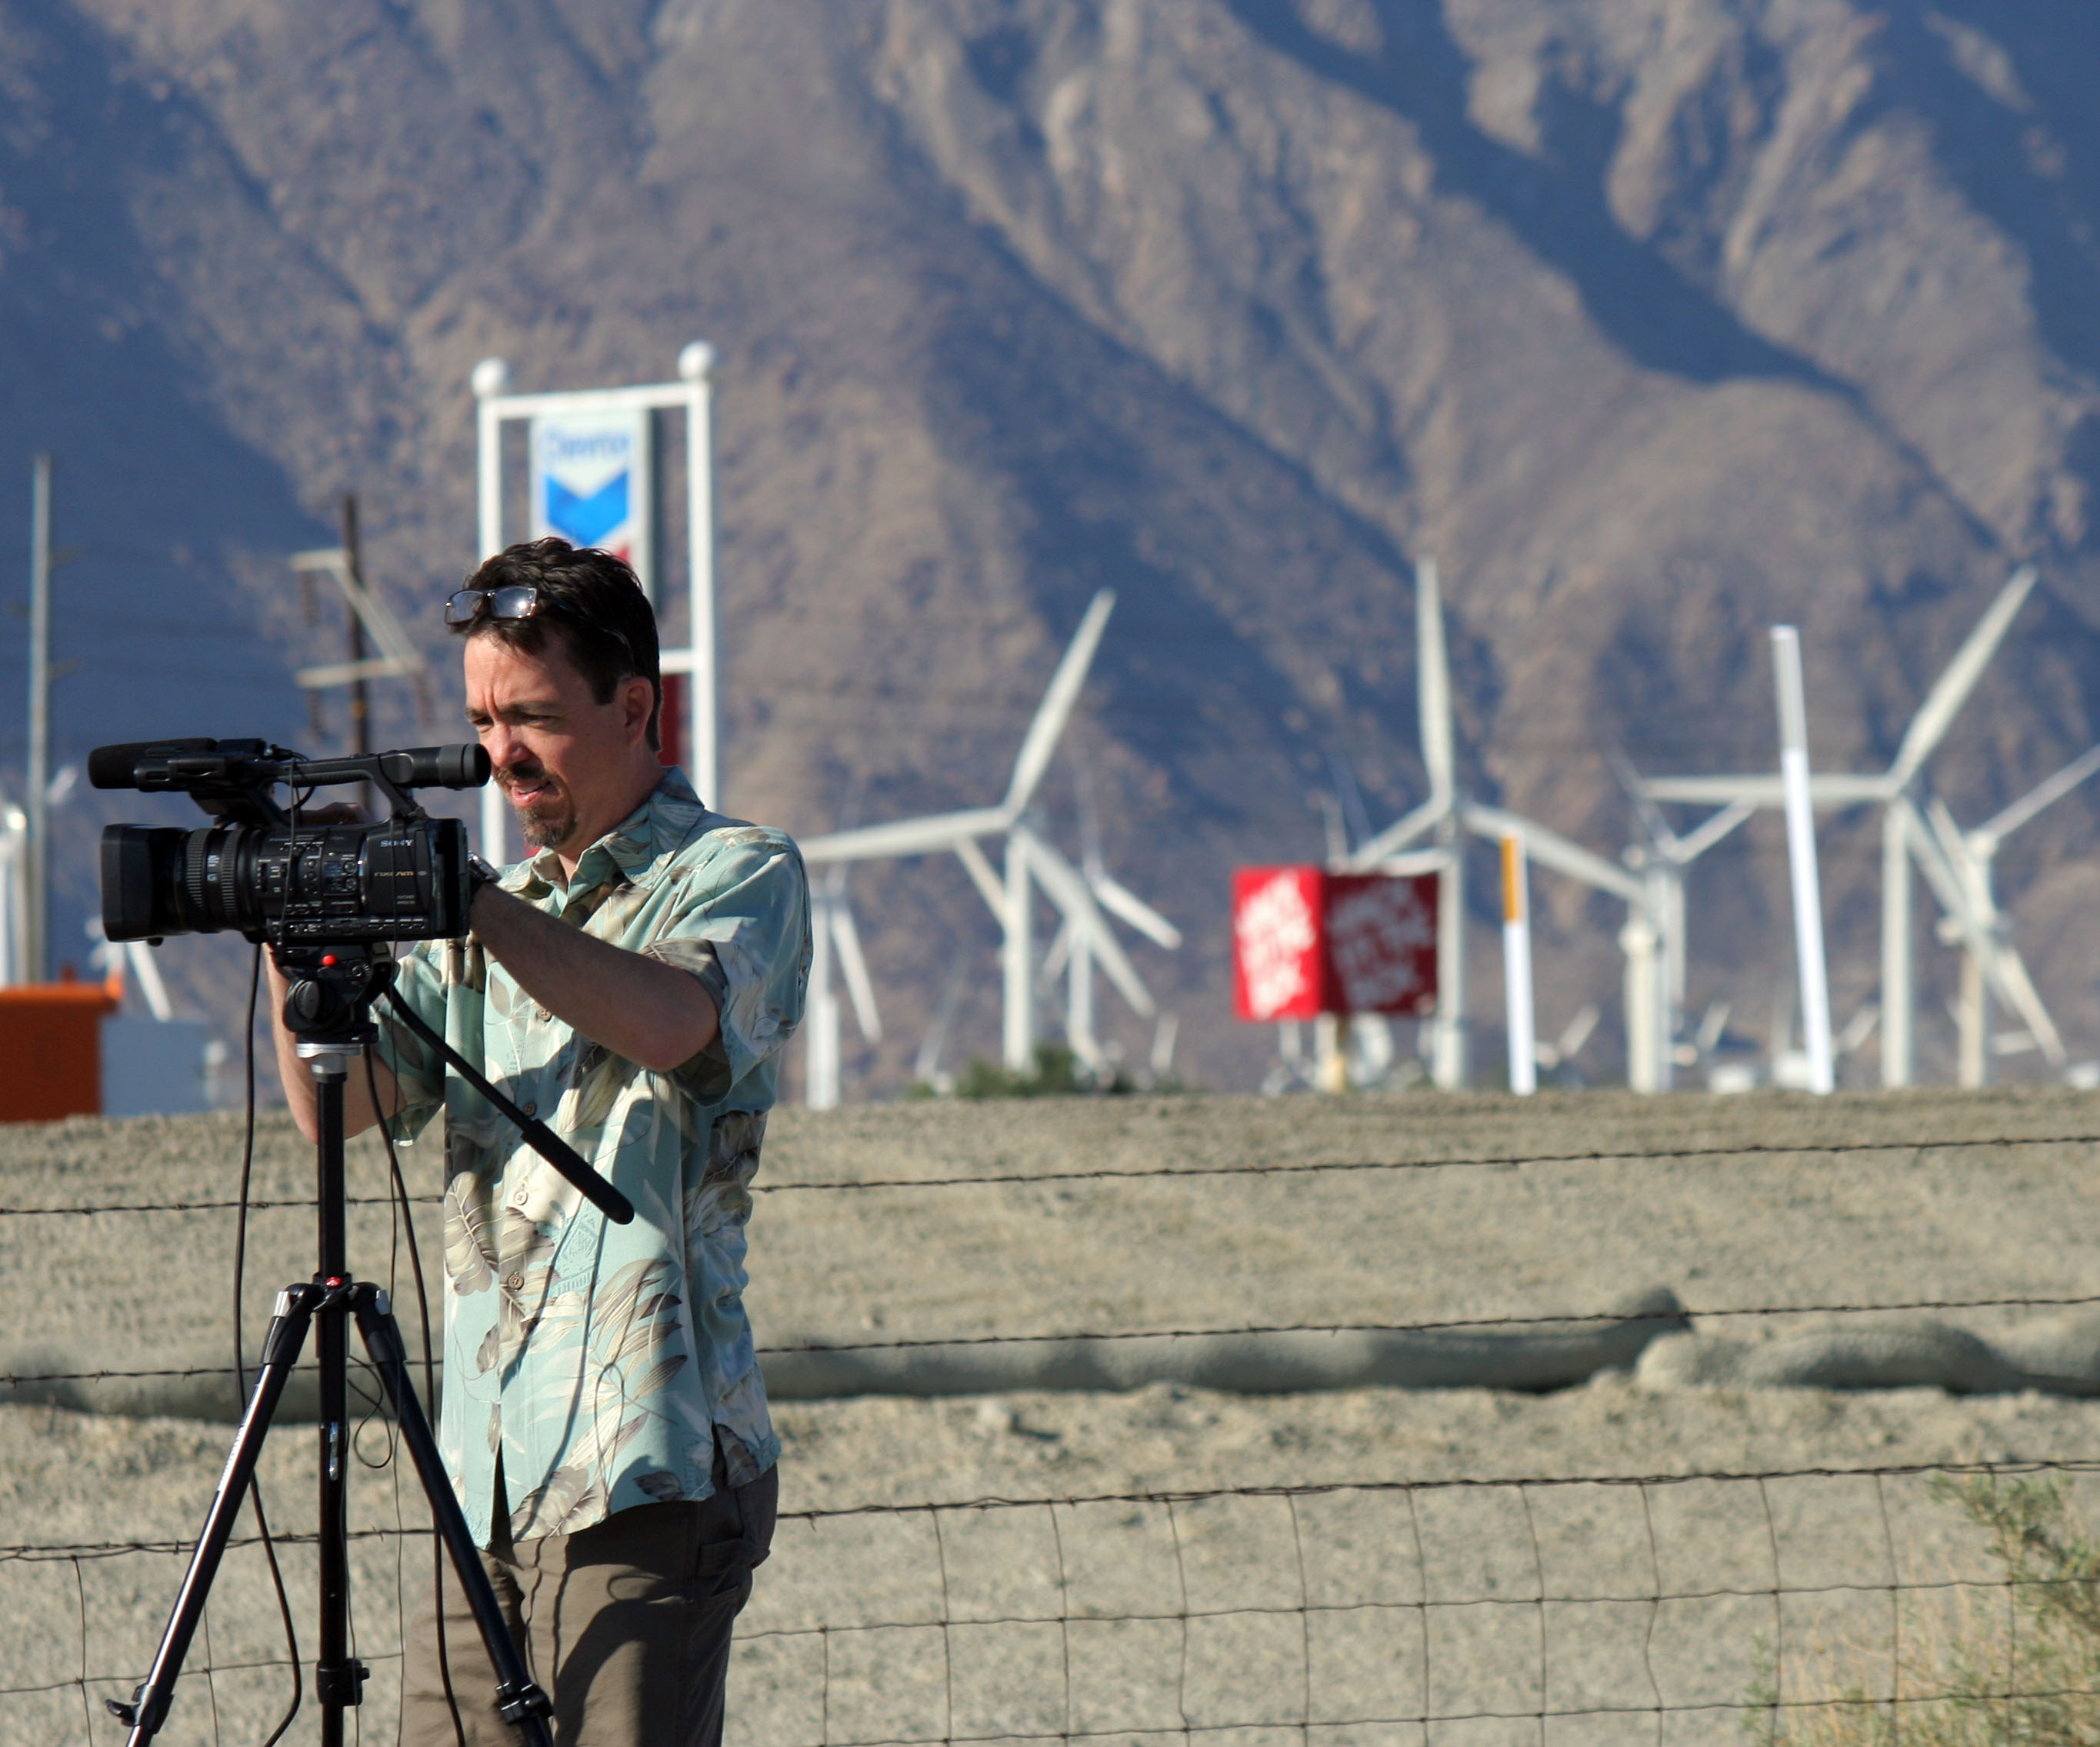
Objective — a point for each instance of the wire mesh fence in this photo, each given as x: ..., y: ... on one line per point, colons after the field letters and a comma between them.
x: 1671, y: 1608
x: 1805, y: 1603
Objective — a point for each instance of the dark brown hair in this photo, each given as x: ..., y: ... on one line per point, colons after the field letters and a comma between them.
x: 593, y: 599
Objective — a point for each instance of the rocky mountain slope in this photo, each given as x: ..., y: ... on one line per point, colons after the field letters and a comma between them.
x: 1656, y: 322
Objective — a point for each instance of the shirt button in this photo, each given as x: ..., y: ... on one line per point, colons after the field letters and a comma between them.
x: 532, y: 1108
x: 515, y: 1282
x: 520, y: 1199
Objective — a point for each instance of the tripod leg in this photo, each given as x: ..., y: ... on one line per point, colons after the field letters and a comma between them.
x: 287, y: 1335
x: 522, y: 1703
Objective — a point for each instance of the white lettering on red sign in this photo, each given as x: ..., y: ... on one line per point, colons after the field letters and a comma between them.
x: 1374, y: 931
x: 1275, y: 932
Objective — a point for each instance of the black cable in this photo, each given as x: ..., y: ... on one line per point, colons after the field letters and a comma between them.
x: 400, y: 1546
x: 240, y: 1354
x: 407, y: 1215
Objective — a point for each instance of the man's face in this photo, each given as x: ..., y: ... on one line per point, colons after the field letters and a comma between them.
x: 569, y: 765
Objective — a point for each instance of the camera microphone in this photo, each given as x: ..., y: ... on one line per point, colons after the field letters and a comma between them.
x: 117, y: 766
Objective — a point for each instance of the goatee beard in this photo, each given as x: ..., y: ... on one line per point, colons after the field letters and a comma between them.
x: 547, y: 834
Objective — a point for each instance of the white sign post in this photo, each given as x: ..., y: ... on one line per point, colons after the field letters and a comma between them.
x: 1516, y: 967
x: 592, y: 468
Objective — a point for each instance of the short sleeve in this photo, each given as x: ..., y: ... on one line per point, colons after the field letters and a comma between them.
x: 417, y: 1069
x: 742, y: 926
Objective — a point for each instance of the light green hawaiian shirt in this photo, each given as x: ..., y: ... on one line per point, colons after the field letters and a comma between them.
x: 604, y: 1362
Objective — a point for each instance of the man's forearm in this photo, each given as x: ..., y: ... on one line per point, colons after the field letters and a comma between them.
x: 638, y: 1008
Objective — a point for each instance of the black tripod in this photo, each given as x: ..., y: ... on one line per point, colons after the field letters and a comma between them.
x: 328, y: 1009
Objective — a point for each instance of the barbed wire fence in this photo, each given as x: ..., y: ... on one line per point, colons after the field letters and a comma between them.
x: 1569, y: 1608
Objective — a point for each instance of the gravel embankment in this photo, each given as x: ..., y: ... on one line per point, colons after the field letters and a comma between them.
x: 1797, y: 1225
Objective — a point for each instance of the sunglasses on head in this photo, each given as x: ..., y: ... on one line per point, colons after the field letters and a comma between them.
x: 522, y: 600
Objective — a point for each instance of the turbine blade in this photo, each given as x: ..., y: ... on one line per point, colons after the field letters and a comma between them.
x: 1657, y: 828
x: 1561, y: 854
x: 1061, y: 882
x: 977, y: 865
x: 1711, y: 830
x: 1571, y: 1041
x: 145, y: 967
x: 1397, y: 836
x: 1056, y: 708
x: 928, y: 1062
x: 860, y: 987
x: 1761, y: 789
x: 1052, y: 966
x: 2043, y: 794
x: 1951, y: 690
x: 1090, y: 821
x: 1118, y: 900
x: 2009, y: 971
x: 924, y: 836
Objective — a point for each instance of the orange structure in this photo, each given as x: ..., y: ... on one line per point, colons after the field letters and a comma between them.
x: 51, y: 1048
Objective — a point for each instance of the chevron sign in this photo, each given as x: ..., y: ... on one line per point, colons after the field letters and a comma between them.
x: 590, y: 482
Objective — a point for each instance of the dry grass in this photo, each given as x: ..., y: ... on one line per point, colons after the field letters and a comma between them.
x: 2026, y: 1674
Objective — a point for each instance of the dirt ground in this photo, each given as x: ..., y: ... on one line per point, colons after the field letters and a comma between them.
x: 1133, y: 1616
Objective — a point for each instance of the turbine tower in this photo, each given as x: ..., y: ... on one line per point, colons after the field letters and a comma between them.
x: 833, y: 936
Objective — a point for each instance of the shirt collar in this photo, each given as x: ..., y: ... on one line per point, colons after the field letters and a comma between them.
x: 626, y: 850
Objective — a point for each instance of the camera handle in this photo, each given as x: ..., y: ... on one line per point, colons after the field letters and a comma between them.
x: 537, y: 1134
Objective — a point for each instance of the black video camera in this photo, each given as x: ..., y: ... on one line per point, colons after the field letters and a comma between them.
x: 255, y: 872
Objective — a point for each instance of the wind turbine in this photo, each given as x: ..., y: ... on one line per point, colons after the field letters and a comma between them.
x: 1031, y: 863
x: 1906, y: 833
x: 1971, y: 855
x: 1447, y: 815
x: 1073, y: 951
x: 1662, y: 862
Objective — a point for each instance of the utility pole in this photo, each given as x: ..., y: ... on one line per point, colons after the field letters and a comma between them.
x: 360, y: 721
x: 36, y: 912
x: 360, y: 714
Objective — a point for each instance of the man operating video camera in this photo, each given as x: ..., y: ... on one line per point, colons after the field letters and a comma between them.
x: 632, y: 983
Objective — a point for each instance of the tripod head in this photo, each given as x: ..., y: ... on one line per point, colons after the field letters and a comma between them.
x: 329, y: 1005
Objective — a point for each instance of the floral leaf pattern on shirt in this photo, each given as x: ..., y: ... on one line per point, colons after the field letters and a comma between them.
x: 470, y: 1252
x: 606, y: 1364
x: 600, y: 1077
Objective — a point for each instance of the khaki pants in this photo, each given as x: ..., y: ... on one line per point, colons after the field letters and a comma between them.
x: 626, y: 1625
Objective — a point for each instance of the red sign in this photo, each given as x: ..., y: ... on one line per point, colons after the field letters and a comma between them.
x: 671, y: 725
x: 1306, y: 941
x: 1277, y: 971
